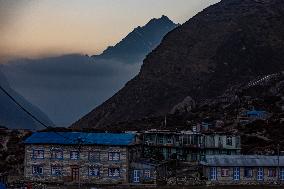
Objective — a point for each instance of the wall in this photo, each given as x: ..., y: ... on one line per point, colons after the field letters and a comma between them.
x: 83, y: 163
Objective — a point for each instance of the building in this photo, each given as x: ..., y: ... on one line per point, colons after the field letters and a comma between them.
x: 77, y: 157
x: 252, y: 115
x: 243, y: 169
x: 188, y: 145
x: 148, y: 172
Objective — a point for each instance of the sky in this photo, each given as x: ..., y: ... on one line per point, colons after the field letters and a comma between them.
x: 41, y: 28
x: 46, y: 29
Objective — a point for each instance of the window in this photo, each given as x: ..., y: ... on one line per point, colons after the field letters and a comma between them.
x: 38, y: 154
x: 37, y: 170
x: 224, y: 172
x: 161, y: 140
x: 74, y: 155
x: 271, y: 172
x: 229, y: 141
x: 282, y: 174
x: 56, y: 170
x: 113, y: 156
x: 94, y: 171
x: 248, y: 172
x: 94, y: 156
x: 56, y: 154
x: 236, y: 173
x: 260, y: 174
x: 136, y: 176
x: 113, y: 172
x: 213, y: 173
x: 169, y: 140
x: 169, y: 152
x: 147, y: 174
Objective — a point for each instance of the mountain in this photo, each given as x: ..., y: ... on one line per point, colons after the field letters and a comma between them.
x: 12, y: 116
x: 76, y: 82
x: 139, y: 42
x: 227, y: 44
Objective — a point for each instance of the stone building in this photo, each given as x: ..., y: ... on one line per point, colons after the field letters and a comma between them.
x: 188, y: 145
x: 77, y: 157
x: 243, y: 169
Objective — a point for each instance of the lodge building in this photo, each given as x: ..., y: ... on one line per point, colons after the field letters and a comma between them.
x: 76, y: 157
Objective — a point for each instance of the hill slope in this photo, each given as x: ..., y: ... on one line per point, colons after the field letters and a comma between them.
x: 12, y: 116
x: 226, y: 44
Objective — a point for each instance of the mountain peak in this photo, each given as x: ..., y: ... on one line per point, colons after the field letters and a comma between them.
x: 139, y: 42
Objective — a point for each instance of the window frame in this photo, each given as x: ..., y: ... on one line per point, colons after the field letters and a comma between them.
x: 73, y: 152
x: 56, y: 150
x: 260, y: 177
x: 282, y: 174
x: 147, y: 174
x: 236, y: 173
x: 94, y: 160
x: 273, y: 171
x: 111, y: 156
x: 38, y: 150
x: 94, y: 167
x: 56, y: 174
x: 229, y: 140
x: 112, y: 175
x: 248, y: 170
x: 37, y: 166
x: 225, y: 170
x: 213, y: 173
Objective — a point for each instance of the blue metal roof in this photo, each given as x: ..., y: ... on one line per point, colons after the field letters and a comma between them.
x: 69, y: 138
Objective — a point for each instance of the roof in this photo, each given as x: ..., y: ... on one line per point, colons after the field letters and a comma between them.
x: 69, y: 138
x: 243, y: 161
x: 256, y: 112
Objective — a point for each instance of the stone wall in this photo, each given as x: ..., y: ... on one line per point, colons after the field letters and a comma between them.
x: 82, y: 163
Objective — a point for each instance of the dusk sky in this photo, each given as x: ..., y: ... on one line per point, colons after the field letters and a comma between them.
x: 34, y: 28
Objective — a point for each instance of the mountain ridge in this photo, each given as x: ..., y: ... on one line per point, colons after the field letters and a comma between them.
x: 226, y: 44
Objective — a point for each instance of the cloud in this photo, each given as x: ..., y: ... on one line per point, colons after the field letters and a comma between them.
x: 67, y: 87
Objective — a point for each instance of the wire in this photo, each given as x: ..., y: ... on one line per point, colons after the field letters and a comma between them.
x: 30, y: 114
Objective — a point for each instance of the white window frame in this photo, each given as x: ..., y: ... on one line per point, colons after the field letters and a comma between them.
x: 282, y: 174
x: 213, y: 173
x: 37, y: 155
x: 229, y: 141
x: 73, y: 156
x: 136, y: 176
x: 236, y: 173
x: 114, y: 172
x: 260, y: 174
x: 95, y: 170
x: 147, y: 173
x: 114, y: 156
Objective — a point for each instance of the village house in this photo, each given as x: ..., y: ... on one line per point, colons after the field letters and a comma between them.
x: 243, y: 169
x: 77, y: 157
x: 148, y: 172
x: 247, y: 117
x: 187, y: 145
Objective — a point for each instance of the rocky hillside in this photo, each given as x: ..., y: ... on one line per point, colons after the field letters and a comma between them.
x: 139, y: 42
x: 227, y: 44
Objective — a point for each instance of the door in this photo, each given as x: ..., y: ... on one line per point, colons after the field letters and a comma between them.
x: 213, y: 173
x: 75, y: 174
x: 136, y: 176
